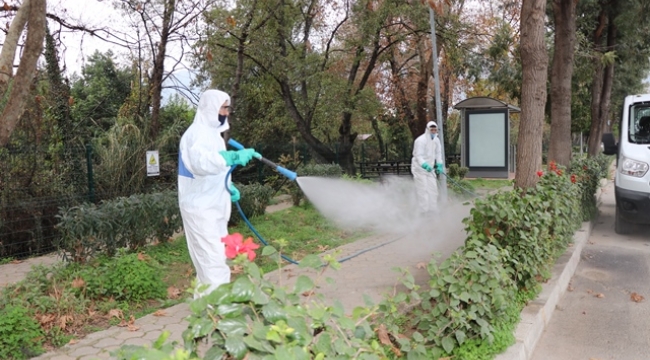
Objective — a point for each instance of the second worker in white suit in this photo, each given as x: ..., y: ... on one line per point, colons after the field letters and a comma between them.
x: 425, y: 164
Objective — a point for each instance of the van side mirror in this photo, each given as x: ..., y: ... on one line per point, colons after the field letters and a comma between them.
x: 609, y: 144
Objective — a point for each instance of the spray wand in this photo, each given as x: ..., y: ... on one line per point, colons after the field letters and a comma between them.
x: 286, y: 172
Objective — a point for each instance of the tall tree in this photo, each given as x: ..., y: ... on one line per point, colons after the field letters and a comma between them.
x: 321, y: 70
x: 534, y: 62
x: 564, y: 13
x: 164, y: 29
x: 15, y: 88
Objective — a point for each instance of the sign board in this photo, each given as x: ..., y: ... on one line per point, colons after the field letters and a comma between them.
x: 486, y: 143
x: 153, y: 164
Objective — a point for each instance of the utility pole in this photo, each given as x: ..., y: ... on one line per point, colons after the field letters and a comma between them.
x: 436, y: 78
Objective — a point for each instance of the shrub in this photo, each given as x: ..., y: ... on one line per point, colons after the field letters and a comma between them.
x: 128, y: 277
x: 457, y: 172
x: 20, y: 335
x: 253, y: 202
x: 126, y: 222
x: 588, y: 172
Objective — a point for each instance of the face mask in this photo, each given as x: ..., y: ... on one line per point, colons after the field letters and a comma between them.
x: 222, y: 119
x: 433, y: 136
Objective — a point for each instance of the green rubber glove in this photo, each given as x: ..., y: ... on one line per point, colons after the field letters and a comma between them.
x: 440, y: 169
x: 239, y: 157
x: 235, y: 195
x: 427, y: 167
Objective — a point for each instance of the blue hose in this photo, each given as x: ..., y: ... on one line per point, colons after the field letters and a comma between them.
x: 292, y: 261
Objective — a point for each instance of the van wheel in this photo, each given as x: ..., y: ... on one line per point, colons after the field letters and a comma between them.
x: 621, y: 226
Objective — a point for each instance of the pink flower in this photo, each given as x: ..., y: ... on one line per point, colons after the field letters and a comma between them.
x: 540, y: 173
x: 235, y: 245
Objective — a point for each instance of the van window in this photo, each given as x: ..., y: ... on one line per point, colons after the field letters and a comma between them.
x: 639, y: 125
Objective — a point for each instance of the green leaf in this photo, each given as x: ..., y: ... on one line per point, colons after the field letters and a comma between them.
x: 448, y: 344
x: 303, y: 284
x: 311, y: 261
x: 215, y: 353
x: 242, y: 289
x: 201, y: 327
x: 236, y: 347
x: 273, y: 312
x: 269, y: 250
x: 260, y: 298
x: 262, y: 346
x: 232, y: 326
x: 229, y: 310
x: 460, y: 336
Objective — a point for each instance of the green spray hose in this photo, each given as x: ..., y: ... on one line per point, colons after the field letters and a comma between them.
x: 291, y: 176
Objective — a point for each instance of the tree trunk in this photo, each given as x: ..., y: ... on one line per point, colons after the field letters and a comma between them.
x: 26, y: 70
x: 10, y: 45
x: 159, y: 68
x: 534, y: 63
x: 601, y: 99
x: 564, y: 12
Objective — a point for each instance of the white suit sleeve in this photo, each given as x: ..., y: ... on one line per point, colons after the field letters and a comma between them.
x: 203, y: 159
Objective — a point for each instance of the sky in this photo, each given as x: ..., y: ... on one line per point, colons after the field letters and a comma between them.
x: 79, y: 46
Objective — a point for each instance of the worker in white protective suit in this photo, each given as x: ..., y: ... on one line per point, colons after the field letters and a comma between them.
x: 204, y: 200
x: 425, y: 164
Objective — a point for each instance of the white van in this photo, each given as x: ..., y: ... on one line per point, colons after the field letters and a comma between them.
x: 632, y: 180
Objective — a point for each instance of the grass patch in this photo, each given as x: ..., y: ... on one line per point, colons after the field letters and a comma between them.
x: 489, y: 184
x: 304, y: 229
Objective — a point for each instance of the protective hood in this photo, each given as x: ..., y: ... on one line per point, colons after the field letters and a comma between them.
x: 207, y: 113
x: 431, y: 124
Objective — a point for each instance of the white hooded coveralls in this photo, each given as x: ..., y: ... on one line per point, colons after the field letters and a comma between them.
x: 426, y: 150
x: 203, y: 199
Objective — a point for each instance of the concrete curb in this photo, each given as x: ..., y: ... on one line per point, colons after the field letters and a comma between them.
x: 537, y: 314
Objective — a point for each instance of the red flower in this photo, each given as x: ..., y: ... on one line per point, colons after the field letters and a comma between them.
x: 552, y: 165
x: 559, y: 172
x: 540, y: 173
x: 235, y: 245
x: 573, y: 179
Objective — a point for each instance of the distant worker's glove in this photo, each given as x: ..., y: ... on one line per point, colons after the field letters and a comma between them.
x: 427, y: 167
x: 234, y: 193
x: 239, y: 157
x: 440, y: 169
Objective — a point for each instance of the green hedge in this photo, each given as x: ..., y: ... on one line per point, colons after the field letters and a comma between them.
x: 126, y: 222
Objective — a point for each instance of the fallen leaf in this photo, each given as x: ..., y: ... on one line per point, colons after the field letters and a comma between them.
x: 421, y: 265
x: 173, y: 293
x: 322, y: 248
x: 160, y: 313
x: 133, y: 328
x: 123, y: 323
x: 382, y: 333
x: 16, y: 261
x: 308, y: 293
x: 73, y: 341
x: 78, y: 283
x: 46, y: 319
x: 600, y: 295
x: 63, y: 321
x: 570, y: 288
x: 589, y: 291
x: 116, y: 313
x: 636, y: 297
x: 384, y: 338
x: 142, y: 257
